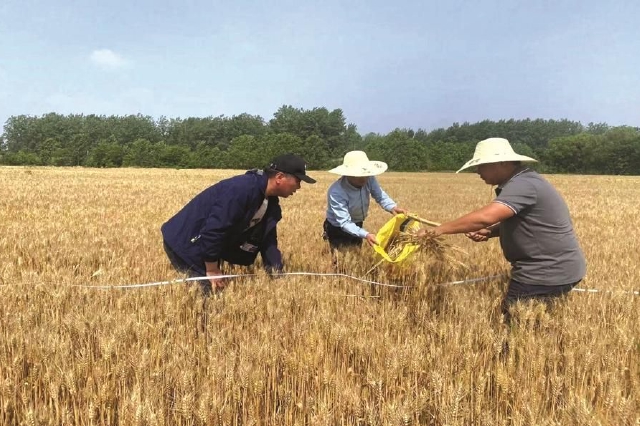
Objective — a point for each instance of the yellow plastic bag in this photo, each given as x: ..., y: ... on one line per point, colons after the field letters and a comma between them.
x: 398, y: 223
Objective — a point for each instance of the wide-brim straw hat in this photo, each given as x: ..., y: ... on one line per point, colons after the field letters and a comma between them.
x: 357, y: 164
x: 494, y: 150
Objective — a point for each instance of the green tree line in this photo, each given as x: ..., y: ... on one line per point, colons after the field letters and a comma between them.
x: 321, y: 136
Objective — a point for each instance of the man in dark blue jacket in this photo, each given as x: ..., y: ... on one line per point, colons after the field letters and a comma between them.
x: 233, y: 221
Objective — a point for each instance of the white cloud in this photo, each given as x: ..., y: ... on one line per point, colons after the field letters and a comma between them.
x: 107, y: 58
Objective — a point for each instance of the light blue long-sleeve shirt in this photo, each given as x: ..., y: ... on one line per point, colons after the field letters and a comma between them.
x: 347, y: 204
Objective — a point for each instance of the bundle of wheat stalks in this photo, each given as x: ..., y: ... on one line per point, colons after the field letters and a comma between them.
x: 435, y: 247
x: 428, y: 243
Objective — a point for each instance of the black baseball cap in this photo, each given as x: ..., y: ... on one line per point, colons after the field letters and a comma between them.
x: 293, y: 165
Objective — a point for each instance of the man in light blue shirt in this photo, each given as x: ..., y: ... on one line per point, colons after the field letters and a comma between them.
x: 348, y: 201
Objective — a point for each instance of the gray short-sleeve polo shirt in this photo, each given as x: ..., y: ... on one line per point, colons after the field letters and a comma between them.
x: 539, y: 240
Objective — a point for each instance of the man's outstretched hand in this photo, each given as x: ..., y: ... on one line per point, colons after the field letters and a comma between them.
x: 214, y: 270
x: 428, y: 233
x: 371, y: 239
x: 479, y: 236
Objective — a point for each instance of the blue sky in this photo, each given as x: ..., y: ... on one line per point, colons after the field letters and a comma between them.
x: 414, y: 64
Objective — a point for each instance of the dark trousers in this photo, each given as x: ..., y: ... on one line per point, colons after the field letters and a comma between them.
x: 184, y: 268
x: 519, y: 291
x: 338, y: 238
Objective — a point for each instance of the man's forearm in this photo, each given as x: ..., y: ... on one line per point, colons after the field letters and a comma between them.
x: 467, y: 223
x: 483, y: 218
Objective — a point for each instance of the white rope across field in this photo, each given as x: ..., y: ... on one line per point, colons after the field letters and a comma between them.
x: 316, y: 274
x: 594, y: 290
x: 313, y: 274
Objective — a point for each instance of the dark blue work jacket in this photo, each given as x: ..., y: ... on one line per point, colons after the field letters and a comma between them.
x: 213, y: 225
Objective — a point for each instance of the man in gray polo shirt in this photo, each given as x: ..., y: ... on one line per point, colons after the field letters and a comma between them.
x: 533, y: 223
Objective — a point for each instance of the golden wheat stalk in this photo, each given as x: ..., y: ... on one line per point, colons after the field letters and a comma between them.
x: 434, y: 246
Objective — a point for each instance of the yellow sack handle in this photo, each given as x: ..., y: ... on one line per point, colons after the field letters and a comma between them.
x: 396, y: 224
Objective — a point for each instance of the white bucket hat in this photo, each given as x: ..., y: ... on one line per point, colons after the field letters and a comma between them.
x: 357, y: 164
x: 494, y: 150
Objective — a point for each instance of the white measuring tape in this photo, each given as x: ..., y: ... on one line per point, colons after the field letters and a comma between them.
x: 593, y: 290
x: 316, y: 274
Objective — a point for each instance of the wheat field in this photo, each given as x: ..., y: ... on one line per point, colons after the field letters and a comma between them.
x: 302, y: 350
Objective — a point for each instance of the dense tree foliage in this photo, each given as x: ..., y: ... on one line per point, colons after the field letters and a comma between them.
x: 321, y: 136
